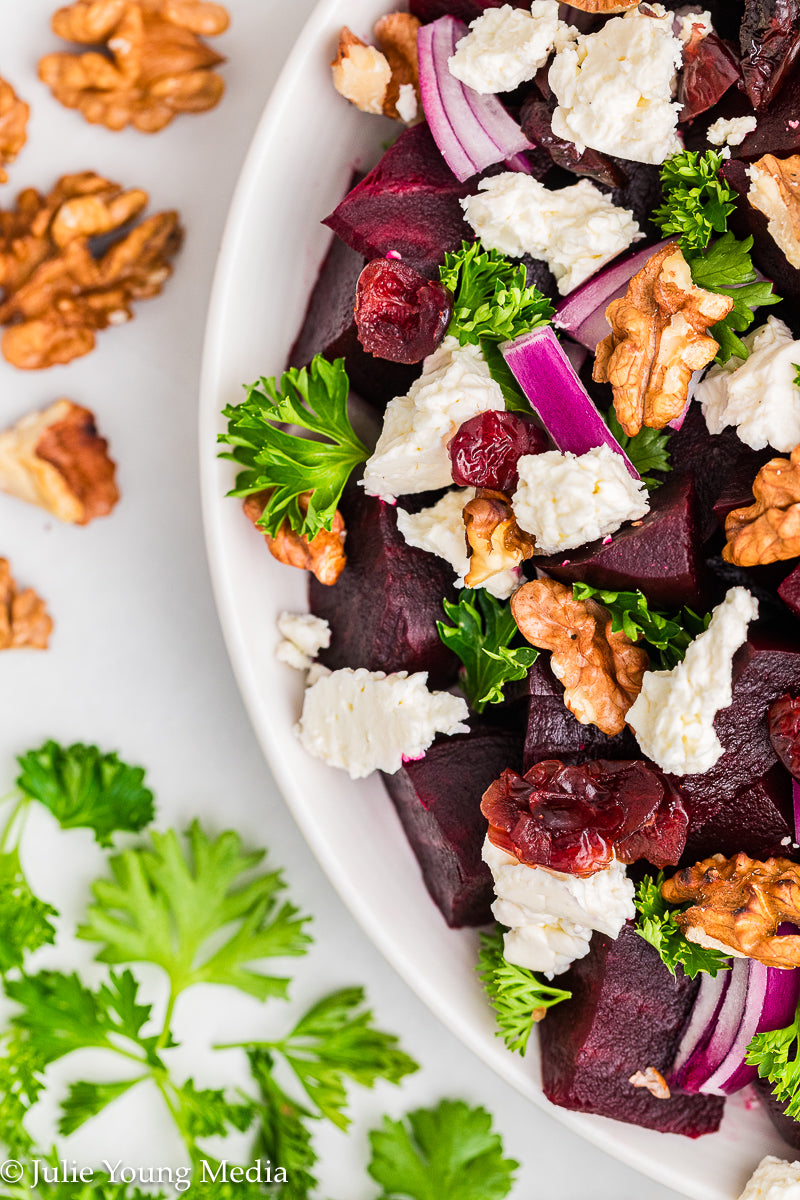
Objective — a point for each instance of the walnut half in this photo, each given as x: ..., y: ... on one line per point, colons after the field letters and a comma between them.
x: 775, y: 191
x: 14, y: 115
x: 495, y: 540
x: 374, y: 78
x: 769, y: 530
x: 323, y: 555
x: 24, y: 620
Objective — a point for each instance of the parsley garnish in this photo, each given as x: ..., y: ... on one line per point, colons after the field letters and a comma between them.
x: 669, y: 636
x: 796, y: 375
x: 514, y: 992
x: 491, y: 298
x: 446, y: 1153
x: 776, y: 1054
x: 287, y: 465
x: 481, y: 635
x: 697, y: 203
x: 727, y: 267
x: 656, y: 923
x: 648, y: 450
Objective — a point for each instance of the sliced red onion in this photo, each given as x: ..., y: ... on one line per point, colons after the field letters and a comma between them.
x: 551, y: 384
x: 449, y: 145
x: 583, y: 313
x: 702, y: 1020
x: 519, y: 162
x: 709, y: 1053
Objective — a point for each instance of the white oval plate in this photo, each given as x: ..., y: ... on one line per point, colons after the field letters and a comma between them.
x: 299, y: 164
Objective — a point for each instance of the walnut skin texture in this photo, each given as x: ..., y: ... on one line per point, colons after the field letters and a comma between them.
x: 658, y: 339
x: 24, y: 621
x: 155, y: 65
x: 56, y: 294
x: 494, y: 538
x: 396, y: 35
x: 769, y: 530
x: 371, y: 77
x: 738, y: 904
x: 601, y: 671
x: 324, y: 555
x: 775, y: 191
x: 14, y: 115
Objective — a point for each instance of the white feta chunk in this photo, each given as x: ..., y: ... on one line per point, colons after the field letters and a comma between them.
x: 566, y: 500
x: 694, y: 25
x: 440, y: 530
x: 505, y: 46
x: 576, y: 229
x: 615, y: 88
x: 406, y: 103
x: 364, y: 721
x: 773, y: 1179
x: 551, y: 915
x: 732, y: 132
x: 673, y: 715
x: 759, y: 396
x: 411, y: 454
x: 304, y: 636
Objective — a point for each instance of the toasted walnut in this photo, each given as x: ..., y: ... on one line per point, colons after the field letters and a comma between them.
x: 323, y: 555
x: 495, y: 540
x: 738, y: 904
x: 154, y: 65
x: 360, y: 73
x: 769, y: 530
x: 14, y: 115
x: 775, y: 191
x: 57, y: 459
x: 24, y: 621
x: 658, y: 339
x: 396, y: 35
x: 653, y: 1080
x: 601, y: 670
x: 57, y: 293
x: 604, y: 7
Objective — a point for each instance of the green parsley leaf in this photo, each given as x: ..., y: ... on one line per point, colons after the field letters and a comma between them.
x: 697, y: 203
x: 656, y: 923
x: 83, y: 788
x: 163, y: 906
x: 776, y: 1054
x: 285, y: 464
x: 797, y: 375
x: 448, y: 1151
x: 481, y: 635
x: 207, y: 1112
x: 25, y: 923
x: 515, y: 993
x: 491, y: 298
x: 648, y: 450
x: 283, y: 1137
x: 727, y: 267
x: 21, y: 1083
x: 669, y: 636
x: 86, y: 1100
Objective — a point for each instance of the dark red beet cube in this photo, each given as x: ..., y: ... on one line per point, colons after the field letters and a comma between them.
x: 408, y: 204
x: 708, y: 458
x: 738, y: 490
x: 626, y: 1014
x: 661, y: 554
x: 486, y: 449
x: 400, y: 315
x: 787, y: 1127
x: 553, y: 732
x: 438, y: 800
x: 789, y: 591
x: 783, y: 719
x: 384, y: 608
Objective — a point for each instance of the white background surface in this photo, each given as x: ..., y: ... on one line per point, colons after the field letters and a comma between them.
x: 137, y: 662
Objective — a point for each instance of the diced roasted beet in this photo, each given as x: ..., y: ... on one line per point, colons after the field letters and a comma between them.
x: 329, y: 328
x: 789, y: 591
x: 738, y: 489
x: 486, y: 449
x: 787, y: 1127
x: 762, y: 582
x: 408, y: 204
x: 553, y: 732
x: 770, y: 40
x: 578, y: 817
x: 784, y: 731
x: 400, y: 315
x: 438, y: 800
x: 384, y: 608
x: 536, y: 121
x: 539, y: 275
x: 758, y: 819
x: 463, y: 10
x: 748, y: 221
x: 710, y: 67
x: 708, y: 459
x: 661, y: 554
x: 627, y: 1013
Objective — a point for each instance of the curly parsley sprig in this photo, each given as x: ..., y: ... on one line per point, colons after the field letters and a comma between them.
x: 656, y: 923
x: 481, y: 635
x: 517, y: 995
x: 776, y: 1054
x: 697, y: 203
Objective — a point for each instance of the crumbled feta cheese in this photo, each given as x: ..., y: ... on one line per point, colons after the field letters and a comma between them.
x: 688, y: 26
x: 732, y: 132
x: 304, y: 636
x: 773, y: 1179
x: 673, y: 715
x: 566, y: 500
x: 364, y: 721
x: 576, y: 229
x: 406, y: 103
x: 440, y: 530
x: 411, y: 454
x: 505, y: 46
x: 759, y: 396
x: 615, y: 88
x: 551, y: 915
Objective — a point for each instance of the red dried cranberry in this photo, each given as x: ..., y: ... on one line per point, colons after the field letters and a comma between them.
x: 400, y: 315
x: 784, y: 731
x: 578, y: 818
x: 485, y: 450
x: 769, y: 37
x: 710, y: 67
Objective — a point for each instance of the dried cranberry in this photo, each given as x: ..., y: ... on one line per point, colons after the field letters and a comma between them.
x: 710, y: 67
x: 485, y: 450
x: 770, y: 40
x: 400, y: 315
x: 578, y: 818
x: 784, y: 731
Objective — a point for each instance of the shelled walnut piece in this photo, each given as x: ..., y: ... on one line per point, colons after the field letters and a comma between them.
x: 769, y: 530
x: 56, y: 294
x: 738, y: 904
x: 57, y: 460
x: 372, y: 77
x: 658, y: 340
x: 24, y: 621
x: 601, y: 670
x: 775, y: 191
x: 495, y: 540
x: 14, y: 115
x: 604, y: 7
x: 155, y: 64
x: 323, y: 555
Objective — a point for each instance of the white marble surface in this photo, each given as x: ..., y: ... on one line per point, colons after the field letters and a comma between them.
x: 137, y: 661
